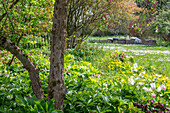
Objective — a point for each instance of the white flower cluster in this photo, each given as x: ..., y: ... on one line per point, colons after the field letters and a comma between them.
x: 131, y: 80
x: 153, y: 86
x: 134, y: 68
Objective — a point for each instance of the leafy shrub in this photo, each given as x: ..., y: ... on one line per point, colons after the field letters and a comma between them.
x: 140, y: 29
x: 161, y: 26
x: 114, y: 91
x: 163, y: 43
x: 84, y: 52
x: 32, y: 105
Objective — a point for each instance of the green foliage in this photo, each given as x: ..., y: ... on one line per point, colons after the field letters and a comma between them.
x: 153, y: 20
x: 163, y: 43
x: 25, y: 17
x: 83, y: 52
x: 161, y: 25
x: 112, y: 85
x: 32, y: 105
x: 109, y: 92
x: 151, y: 106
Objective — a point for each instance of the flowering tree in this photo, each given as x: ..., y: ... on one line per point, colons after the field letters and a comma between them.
x: 150, y: 8
x: 87, y: 16
x: 124, y: 13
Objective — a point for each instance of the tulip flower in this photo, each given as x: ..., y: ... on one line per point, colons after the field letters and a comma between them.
x: 147, y: 89
x: 163, y: 87
x: 134, y: 67
x: 140, y: 75
x: 143, y: 72
x: 153, y: 86
x: 140, y: 83
x: 159, y: 89
x: 153, y: 95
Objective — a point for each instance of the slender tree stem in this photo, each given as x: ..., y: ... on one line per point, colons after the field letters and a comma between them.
x: 9, y: 18
x: 9, y: 8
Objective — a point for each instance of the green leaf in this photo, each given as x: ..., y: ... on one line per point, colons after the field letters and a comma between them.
x: 35, y: 108
x: 51, y: 105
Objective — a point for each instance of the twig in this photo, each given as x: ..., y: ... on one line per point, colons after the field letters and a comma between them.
x: 3, y: 25
x: 17, y: 45
x: 9, y: 17
x: 9, y: 8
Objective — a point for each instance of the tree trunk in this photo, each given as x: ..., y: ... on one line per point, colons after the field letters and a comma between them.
x: 28, y: 64
x: 56, y: 78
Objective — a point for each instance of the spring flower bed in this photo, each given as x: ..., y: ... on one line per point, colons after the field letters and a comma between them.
x: 114, y: 84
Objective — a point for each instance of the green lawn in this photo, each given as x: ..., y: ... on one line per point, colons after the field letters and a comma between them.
x: 147, y: 56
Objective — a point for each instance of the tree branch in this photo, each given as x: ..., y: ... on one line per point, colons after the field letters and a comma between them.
x: 17, y: 45
x: 9, y: 17
x: 14, y: 3
x: 28, y: 64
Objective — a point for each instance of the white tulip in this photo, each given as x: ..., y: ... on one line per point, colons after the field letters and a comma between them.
x: 159, y: 89
x: 153, y: 86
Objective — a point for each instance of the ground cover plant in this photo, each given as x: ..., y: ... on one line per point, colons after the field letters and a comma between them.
x: 96, y: 81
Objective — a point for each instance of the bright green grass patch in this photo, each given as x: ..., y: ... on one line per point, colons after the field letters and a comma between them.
x: 160, y: 62
x: 133, y: 46
x: 147, y: 56
x: 129, y: 46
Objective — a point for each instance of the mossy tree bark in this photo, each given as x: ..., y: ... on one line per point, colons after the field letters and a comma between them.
x: 56, y: 78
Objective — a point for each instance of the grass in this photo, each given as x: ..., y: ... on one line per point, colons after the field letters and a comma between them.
x: 157, y: 56
x: 160, y: 61
x: 146, y: 56
x: 135, y: 47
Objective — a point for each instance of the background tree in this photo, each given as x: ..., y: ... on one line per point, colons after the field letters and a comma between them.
x: 143, y: 27
x: 161, y: 25
x: 121, y: 16
x: 83, y: 14
x: 84, y: 18
x: 88, y: 16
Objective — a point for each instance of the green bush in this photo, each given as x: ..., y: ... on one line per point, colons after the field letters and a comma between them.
x: 163, y: 43
x: 161, y: 26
